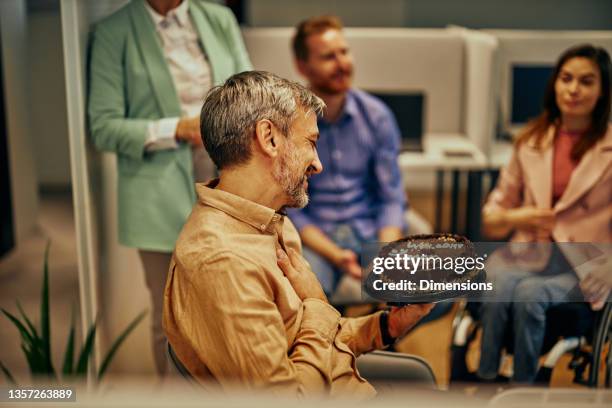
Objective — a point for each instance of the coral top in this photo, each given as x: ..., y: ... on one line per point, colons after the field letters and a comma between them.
x: 563, y: 165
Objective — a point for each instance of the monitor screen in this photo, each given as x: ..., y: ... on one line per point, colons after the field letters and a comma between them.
x: 408, y: 110
x: 528, y: 86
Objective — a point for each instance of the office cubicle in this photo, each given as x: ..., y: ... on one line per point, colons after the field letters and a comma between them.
x: 524, y: 62
x: 451, y: 68
x: 387, y: 60
x: 526, y: 59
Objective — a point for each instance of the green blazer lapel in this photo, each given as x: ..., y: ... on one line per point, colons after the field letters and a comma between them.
x: 154, y: 60
x: 208, y: 39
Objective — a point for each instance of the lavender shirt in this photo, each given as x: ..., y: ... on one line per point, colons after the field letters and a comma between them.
x: 361, y: 183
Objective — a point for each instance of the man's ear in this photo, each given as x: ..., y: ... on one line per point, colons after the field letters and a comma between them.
x: 266, y: 137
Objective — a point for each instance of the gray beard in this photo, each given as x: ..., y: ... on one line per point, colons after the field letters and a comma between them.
x: 298, y: 197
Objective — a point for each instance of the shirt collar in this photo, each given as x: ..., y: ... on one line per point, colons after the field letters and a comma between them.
x: 181, y: 13
x: 349, y: 109
x: 256, y: 215
x: 350, y: 106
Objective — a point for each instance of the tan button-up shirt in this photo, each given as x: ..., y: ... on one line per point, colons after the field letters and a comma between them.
x: 233, y: 319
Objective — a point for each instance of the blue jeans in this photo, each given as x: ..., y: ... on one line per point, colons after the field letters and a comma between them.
x: 345, y: 237
x: 532, y: 295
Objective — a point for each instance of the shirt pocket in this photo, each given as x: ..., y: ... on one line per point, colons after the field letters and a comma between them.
x: 350, y: 155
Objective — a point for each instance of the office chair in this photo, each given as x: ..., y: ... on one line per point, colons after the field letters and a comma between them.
x: 570, y: 327
x: 379, y: 367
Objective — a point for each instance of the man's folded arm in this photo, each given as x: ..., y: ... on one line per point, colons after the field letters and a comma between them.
x: 361, y: 334
x: 228, y: 316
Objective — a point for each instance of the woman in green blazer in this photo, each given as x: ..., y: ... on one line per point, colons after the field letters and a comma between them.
x: 130, y: 86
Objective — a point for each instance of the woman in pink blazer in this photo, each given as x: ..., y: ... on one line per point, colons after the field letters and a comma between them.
x: 556, y: 188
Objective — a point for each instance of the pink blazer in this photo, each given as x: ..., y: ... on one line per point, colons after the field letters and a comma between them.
x: 584, y: 211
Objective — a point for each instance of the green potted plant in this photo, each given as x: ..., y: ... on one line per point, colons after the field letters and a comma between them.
x: 36, y: 343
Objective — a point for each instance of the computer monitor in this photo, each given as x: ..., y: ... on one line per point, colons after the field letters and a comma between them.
x: 528, y: 88
x: 408, y: 109
x: 525, y: 61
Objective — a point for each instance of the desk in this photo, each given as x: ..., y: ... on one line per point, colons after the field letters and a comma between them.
x: 501, y: 152
x: 455, y: 153
x: 444, y: 151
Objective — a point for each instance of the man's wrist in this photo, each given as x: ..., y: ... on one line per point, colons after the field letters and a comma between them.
x: 386, y: 337
x: 337, y: 257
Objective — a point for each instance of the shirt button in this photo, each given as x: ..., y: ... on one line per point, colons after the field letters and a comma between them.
x: 337, y: 155
x: 263, y: 227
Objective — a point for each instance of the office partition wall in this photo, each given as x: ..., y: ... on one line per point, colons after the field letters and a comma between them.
x: 7, y: 238
x: 20, y: 175
x: 110, y: 277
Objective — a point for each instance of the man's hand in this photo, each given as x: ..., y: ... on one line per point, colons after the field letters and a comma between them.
x: 348, y: 262
x: 402, y: 319
x: 188, y: 130
x: 300, y: 276
x: 389, y: 234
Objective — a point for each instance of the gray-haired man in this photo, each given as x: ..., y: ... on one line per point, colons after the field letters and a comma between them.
x: 242, y: 307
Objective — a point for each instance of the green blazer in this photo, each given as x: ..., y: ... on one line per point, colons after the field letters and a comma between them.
x: 130, y: 85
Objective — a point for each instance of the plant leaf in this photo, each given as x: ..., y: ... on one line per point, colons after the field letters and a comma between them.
x: 35, y: 360
x: 45, y: 329
x: 26, y: 336
x: 33, y: 331
x: 31, y: 360
x: 67, y: 368
x: 86, y: 351
x: 31, y: 348
x: 117, y: 343
x: 36, y: 340
x: 7, y: 374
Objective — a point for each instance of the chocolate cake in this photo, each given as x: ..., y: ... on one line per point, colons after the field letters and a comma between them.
x: 425, y: 268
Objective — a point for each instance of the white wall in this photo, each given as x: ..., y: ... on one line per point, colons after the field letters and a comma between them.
x: 386, y: 59
x: 516, y: 14
x: 275, y: 13
x: 47, y: 98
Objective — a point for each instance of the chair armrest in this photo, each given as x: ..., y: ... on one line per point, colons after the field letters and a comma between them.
x: 380, y: 367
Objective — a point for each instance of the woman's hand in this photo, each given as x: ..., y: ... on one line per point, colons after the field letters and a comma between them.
x: 188, y: 130
x: 596, y: 286
x: 497, y: 224
x: 542, y: 219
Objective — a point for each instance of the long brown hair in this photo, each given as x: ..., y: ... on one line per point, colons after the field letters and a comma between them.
x: 551, y: 115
